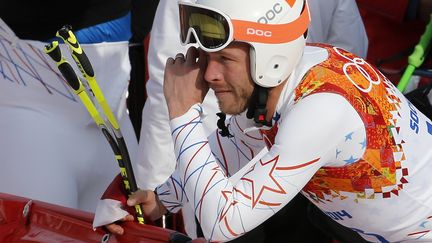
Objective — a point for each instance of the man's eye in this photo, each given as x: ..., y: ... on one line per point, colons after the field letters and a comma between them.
x: 225, y: 58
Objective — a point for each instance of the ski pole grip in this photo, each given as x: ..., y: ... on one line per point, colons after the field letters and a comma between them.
x: 70, y: 76
x: 53, y: 50
x: 77, y: 52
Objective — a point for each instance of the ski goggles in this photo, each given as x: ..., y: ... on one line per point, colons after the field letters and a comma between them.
x: 213, y: 30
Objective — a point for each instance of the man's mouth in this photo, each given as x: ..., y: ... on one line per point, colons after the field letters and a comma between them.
x: 221, y: 93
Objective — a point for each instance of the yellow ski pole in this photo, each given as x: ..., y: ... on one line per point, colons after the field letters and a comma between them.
x: 53, y: 50
x: 86, y: 68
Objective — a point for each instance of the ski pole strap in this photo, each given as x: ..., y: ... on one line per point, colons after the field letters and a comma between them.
x: 416, y: 59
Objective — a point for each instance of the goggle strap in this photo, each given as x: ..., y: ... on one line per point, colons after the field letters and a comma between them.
x: 271, y: 33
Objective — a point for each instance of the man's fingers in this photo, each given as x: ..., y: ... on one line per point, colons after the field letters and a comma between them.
x: 179, y: 57
x: 139, y: 197
x: 191, y: 55
x: 128, y: 218
x: 115, y: 229
x: 170, y: 60
x: 202, y: 59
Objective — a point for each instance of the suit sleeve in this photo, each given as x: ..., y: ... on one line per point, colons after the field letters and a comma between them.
x: 228, y: 208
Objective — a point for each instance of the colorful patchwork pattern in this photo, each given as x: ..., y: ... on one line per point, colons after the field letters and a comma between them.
x: 379, y: 172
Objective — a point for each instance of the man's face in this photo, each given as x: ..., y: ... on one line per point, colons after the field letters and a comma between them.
x: 228, y: 74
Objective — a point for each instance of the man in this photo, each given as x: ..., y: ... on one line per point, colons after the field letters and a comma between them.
x: 324, y: 122
x: 336, y: 22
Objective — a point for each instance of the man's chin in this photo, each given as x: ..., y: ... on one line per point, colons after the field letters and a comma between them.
x: 231, y: 110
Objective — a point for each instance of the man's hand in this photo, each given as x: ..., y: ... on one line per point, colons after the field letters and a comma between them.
x: 184, y: 83
x: 152, y: 208
x: 117, y: 229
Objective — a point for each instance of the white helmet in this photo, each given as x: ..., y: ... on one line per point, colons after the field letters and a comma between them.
x: 275, y: 30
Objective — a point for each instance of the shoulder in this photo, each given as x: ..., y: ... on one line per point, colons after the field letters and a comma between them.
x: 313, y: 54
x: 320, y: 116
x: 325, y: 55
x: 317, y: 124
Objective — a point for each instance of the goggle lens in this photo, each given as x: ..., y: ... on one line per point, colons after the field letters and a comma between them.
x: 210, y: 29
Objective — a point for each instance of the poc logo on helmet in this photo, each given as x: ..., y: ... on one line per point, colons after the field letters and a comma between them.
x: 252, y: 31
x: 271, y: 14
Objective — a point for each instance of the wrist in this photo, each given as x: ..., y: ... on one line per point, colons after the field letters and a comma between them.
x: 175, y: 111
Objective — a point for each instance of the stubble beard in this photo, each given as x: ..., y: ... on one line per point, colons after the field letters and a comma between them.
x: 238, y: 106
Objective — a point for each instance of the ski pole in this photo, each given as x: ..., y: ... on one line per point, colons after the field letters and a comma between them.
x: 416, y: 59
x: 53, y: 50
x: 86, y: 69
x: 85, y: 66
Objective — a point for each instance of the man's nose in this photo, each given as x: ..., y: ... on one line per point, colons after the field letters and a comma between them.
x: 212, y: 72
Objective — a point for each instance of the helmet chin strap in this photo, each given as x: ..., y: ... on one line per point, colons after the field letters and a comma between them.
x: 257, y: 110
x: 258, y: 106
